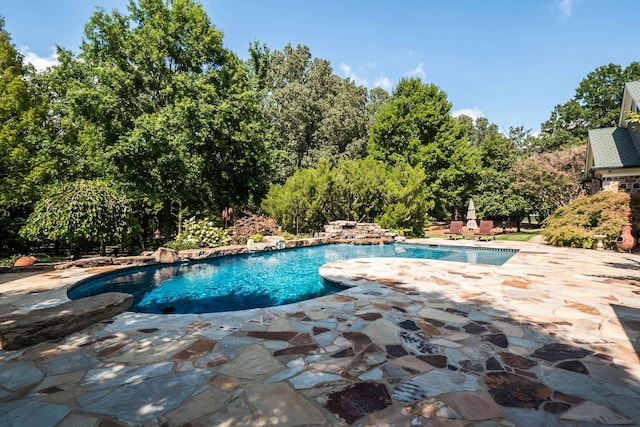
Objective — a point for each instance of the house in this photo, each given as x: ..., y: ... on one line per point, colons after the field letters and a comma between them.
x: 613, y: 154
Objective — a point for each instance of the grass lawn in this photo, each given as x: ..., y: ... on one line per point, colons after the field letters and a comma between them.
x: 9, y: 261
x: 522, y: 236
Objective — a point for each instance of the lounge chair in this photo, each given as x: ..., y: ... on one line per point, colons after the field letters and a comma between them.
x: 485, y: 230
x: 455, y: 229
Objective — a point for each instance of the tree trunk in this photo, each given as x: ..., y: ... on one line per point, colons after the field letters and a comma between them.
x: 166, y: 227
x: 518, y: 221
x: 103, y: 248
x: 179, y: 217
x: 76, y: 252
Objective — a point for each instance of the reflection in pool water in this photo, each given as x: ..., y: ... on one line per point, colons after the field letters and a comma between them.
x: 257, y: 280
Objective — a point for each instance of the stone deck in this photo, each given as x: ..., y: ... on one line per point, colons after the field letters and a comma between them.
x: 551, y: 338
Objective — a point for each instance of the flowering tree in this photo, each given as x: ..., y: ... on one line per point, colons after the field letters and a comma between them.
x: 551, y: 180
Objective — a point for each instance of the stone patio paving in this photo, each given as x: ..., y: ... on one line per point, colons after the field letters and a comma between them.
x: 551, y: 338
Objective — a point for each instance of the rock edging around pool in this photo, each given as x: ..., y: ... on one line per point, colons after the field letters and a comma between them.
x: 191, y: 254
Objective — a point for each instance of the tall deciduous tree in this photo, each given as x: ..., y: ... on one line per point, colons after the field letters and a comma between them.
x: 496, y: 196
x: 173, y: 113
x: 477, y: 130
x: 21, y: 111
x: 596, y: 104
x: 415, y: 126
x: 314, y: 113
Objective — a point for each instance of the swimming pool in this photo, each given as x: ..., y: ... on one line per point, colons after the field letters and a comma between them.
x: 262, y: 279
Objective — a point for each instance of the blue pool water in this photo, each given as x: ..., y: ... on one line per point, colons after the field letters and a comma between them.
x: 258, y: 280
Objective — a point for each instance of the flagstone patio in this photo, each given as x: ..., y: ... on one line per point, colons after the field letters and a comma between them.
x: 551, y: 338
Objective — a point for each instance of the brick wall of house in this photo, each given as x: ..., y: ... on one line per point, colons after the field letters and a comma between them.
x: 629, y: 184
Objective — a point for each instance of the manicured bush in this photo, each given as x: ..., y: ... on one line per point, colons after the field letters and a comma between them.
x: 199, y: 233
x: 257, y: 238
x: 288, y: 236
x: 575, y: 224
x: 394, y: 196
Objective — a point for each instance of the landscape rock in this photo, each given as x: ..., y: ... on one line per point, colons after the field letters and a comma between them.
x: 369, y: 232
x: 19, y: 330
x: 86, y: 263
x: 166, y: 256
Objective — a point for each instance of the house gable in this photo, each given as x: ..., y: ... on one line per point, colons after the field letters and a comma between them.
x: 630, y: 102
x: 613, y: 154
x: 612, y: 148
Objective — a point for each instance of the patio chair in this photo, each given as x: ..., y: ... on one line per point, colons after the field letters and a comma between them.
x: 485, y: 230
x: 455, y: 229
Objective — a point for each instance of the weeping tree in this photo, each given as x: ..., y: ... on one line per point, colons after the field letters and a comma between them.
x: 80, y: 213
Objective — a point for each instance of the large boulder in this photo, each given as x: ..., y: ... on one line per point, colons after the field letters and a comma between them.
x: 166, y: 256
x: 19, y: 330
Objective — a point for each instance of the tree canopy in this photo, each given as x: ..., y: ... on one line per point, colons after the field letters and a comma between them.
x: 21, y: 111
x: 314, y: 114
x: 415, y: 126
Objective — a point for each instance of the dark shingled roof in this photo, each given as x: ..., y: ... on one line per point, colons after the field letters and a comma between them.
x: 612, y: 148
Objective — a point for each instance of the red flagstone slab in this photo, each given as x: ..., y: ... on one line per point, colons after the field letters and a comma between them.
x: 556, y: 407
x: 359, y: 340
x: 301, y: 349
x: 516, y: 284
x: 555, y: 352
x: 558, y: 395
x: 474, y: 405
x: 435, y: 360
x: 515, y: 361
x: 428, y: 328
x: 370, y: 316
x: 199, y: 348
x: 272, y: 336
x: 317, y: 330
x: 413, y: 363
x: 302, y: 339
x: 573, y: 366
x: 583, y: 308
x: 515, y: 391
x: 443, y: 282
x: 358, y: 400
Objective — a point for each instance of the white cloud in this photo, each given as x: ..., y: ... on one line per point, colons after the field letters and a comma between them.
x: 418, y: 71
x: 38, y: 62
x: 348, y: 72
x: 384, y: 82
x: 565, y: 7
x: 474, y: 113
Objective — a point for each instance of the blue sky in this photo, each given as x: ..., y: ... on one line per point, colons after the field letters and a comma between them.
x: 509, y: 61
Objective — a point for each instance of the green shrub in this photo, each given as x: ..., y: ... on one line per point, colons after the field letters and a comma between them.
x: 181, y: 245
x: 257, y: 238
x: 8, y: 262
x: 199, y: 233
x: 288, y: 236
x: 575, y: 224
